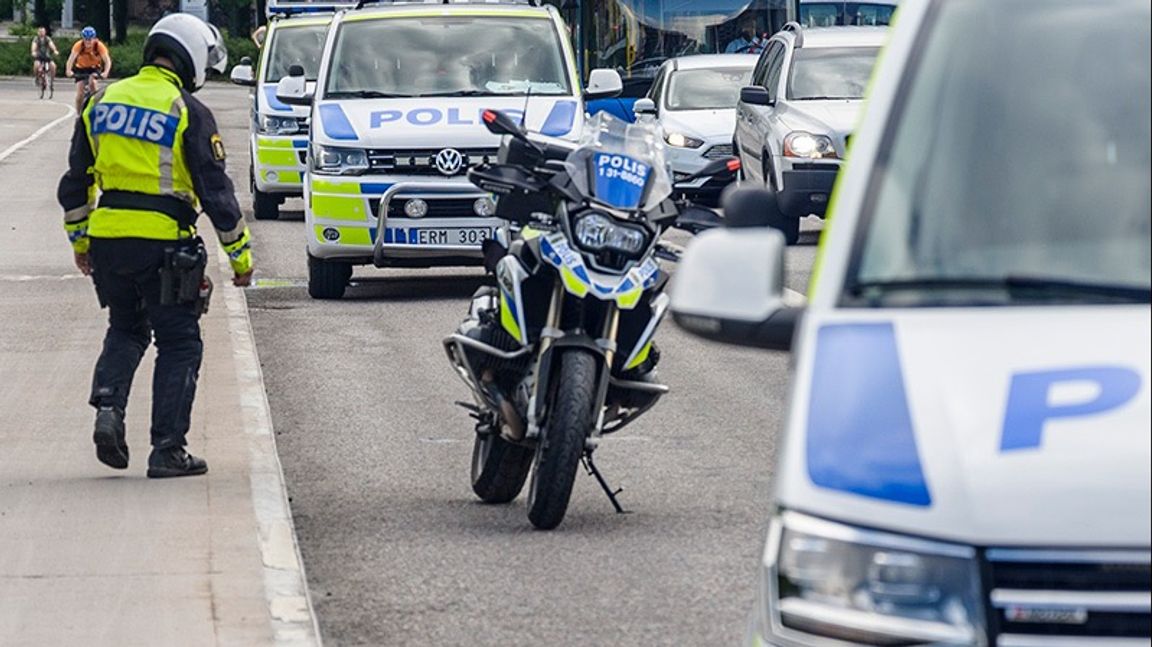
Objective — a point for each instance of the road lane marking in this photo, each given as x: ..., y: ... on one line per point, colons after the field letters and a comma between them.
x: 285, y: 583
x: 43, y: 129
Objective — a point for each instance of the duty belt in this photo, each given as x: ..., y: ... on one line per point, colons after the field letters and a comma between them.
x: 183, y: 213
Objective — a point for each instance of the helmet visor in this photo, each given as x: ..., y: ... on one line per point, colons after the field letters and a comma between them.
x: 217, y: 53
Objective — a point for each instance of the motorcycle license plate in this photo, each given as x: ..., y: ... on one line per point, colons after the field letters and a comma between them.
x: 449, y: 236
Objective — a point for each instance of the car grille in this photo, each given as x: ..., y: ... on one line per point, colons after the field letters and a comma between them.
x: 719, y: 151
x: 1066, y: 597
x: 423, y: 161
x: 437, y: 208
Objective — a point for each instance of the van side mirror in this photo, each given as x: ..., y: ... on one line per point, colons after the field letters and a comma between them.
x: 755, y: 95
x: 293, y: 89
x: 730, y: 283
x: 603, y: 83
x: 243, y: 74
x: 644, y: 107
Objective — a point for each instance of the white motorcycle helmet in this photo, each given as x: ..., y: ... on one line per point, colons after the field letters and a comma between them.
x: 193, y: 46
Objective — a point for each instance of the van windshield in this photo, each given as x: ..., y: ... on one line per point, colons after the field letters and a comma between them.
x: 1016, y: 170
x: 295, y: 46
x: 447, y: 56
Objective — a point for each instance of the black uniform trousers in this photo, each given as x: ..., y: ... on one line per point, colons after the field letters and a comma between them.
x: 127, y: 276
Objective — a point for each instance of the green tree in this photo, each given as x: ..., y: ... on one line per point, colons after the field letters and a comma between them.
x: 40, y: 15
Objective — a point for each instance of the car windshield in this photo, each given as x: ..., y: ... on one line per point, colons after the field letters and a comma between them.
x: 830, y: 14
x: 448, y: 56
x: 831, y: 72
x: 290, y: 46
x: 715, y: 89
x: 1018, y: 169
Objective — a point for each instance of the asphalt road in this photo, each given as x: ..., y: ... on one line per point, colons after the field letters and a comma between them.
x: 398, y: 551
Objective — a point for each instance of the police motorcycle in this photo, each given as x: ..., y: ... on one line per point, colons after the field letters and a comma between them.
x: 560, y: 351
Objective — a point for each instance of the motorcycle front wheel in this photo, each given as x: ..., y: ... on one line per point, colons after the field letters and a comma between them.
x: 499, y: 468
x: 562, y: 442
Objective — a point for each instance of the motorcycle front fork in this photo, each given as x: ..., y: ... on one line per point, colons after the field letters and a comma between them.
x: 607, y: 343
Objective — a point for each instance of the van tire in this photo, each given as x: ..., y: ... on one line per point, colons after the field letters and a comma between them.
x: 265, y: 206
x: 327, y: 279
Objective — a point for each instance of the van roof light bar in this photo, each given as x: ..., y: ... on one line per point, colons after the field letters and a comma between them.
x: 365, y: 3
x: 286, y: 8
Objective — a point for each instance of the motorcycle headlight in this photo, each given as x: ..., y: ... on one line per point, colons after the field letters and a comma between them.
x: 329, y: 160
x: 597, y: 232
x: 824, y: 580
x: 680, y: 140
x: 273, y: 125
x: 809, y: 146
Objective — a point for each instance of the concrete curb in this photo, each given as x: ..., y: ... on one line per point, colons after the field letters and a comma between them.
x: 294, y: 621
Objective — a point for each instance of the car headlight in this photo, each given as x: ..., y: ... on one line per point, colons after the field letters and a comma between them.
x: 809, y: 146
x: 825, y: 580
x: 597, y: 232
x: 680, y: 140
x: 273, y: 125
x: 329, y: 160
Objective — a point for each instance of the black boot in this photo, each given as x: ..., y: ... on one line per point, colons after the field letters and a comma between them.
x: 174, y: 461
x: 111, y: 448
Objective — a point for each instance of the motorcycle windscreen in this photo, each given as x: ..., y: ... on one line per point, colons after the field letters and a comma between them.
x: 619, y: 180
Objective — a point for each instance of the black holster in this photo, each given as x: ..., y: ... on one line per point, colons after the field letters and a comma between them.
x: 182, y: 274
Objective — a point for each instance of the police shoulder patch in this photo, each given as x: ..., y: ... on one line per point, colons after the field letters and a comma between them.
x: 217, y: 147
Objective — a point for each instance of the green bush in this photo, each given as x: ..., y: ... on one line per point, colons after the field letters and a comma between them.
x: 21, y: 29
x: 15, y: 59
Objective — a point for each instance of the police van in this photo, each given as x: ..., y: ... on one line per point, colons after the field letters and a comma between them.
x: 278, y: 143
x: 396, y: 116
x: 966, y: 455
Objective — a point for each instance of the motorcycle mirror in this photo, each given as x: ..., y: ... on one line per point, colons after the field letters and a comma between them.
x: 716, y: 168
x: 749, y: 207
x: 499, y: 123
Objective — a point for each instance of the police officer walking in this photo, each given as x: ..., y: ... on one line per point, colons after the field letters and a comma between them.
x: 155, y: 155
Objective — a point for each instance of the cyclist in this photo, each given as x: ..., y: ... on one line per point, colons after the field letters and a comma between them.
x: 88, y: 61
x: 43, y: 54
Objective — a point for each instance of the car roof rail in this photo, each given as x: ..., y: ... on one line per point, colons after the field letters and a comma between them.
x: 287, y: 8
x: 797, y: 29
x: 360, y: 4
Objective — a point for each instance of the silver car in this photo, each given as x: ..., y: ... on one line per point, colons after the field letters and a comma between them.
x: 694, y: 99
x: 794, y: 121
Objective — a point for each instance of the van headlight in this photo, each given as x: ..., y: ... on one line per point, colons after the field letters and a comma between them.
x: 330, y: 160
x: 597, y: 232
x: 273, y: 125
x: 823, y: 580
x: 809, y: 146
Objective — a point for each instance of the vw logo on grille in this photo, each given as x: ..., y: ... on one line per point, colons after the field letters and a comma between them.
x: 449, y: 161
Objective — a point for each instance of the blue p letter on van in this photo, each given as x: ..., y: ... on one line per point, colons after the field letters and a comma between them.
x: 1029, y: 405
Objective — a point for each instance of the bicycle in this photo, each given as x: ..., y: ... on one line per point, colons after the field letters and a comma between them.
x: 45, y: 80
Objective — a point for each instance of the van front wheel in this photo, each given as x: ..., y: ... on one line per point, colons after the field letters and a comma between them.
x: 327, y: 279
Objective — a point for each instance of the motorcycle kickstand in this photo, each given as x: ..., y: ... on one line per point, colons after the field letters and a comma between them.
x: 590, y: 467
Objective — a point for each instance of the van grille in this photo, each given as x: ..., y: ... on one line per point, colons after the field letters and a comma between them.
x: 422, y: 161
x: 1042, y: 597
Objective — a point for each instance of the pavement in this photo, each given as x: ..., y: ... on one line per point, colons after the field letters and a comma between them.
x: 94, y: 556
x: 376, y: 458
x: 375, y: 463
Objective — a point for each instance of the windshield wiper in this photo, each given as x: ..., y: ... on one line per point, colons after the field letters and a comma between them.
x: 459, y: 93
x: 366, y: 94
x: 1017, y: 287
x: 829, y: 98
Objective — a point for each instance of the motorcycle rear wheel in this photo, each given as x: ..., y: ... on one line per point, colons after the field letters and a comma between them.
x: 499, y: 468
x: 562, y: 442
